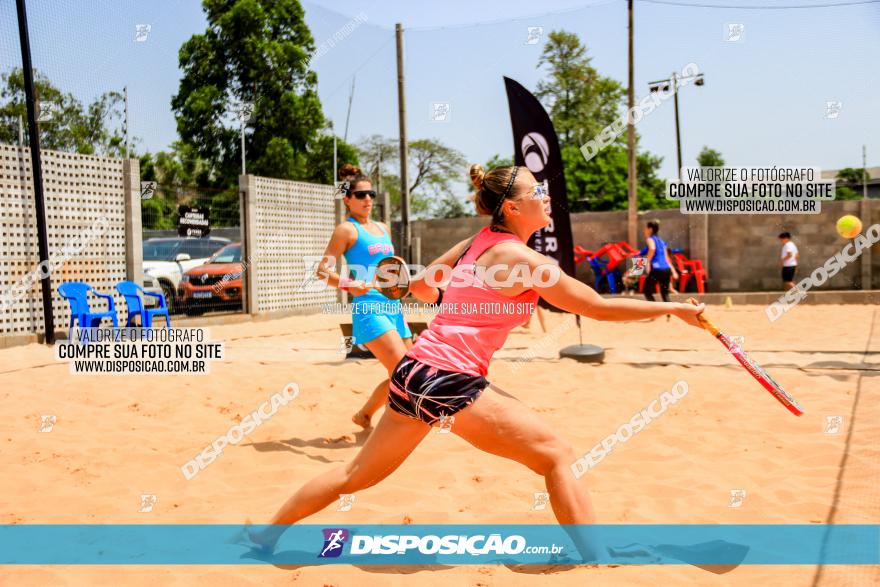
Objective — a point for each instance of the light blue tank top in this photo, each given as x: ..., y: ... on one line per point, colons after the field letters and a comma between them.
x: 363, y: 256
x: 658, y: 261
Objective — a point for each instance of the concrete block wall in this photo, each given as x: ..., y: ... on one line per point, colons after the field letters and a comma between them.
x: 285, y: 226
x: 743, y: 250
x: 89, y: 202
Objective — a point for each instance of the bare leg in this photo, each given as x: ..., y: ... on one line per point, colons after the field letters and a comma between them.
x: 389, y: 349
x: 374, y: 402
x: 394, y: 438
x: 503, y: 426
x: 540, y: 313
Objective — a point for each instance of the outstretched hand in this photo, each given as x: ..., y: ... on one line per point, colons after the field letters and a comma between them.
x: 689, y: 312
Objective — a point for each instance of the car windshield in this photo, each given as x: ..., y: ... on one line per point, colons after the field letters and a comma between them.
x: 160, y: 250
x: 227, y: 255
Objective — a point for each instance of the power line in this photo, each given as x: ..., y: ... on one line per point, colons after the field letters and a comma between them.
x: 604, y: 2
x: 512, y: 19
x: 359, y: 67
x: 760, y: 6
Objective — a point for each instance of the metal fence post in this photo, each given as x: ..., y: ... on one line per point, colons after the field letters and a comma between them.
x: 250, y: 295
x: 866, y: 273
x: 134, y: 236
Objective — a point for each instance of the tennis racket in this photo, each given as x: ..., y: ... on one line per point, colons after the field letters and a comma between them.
x: 392, y: 278
x: 751, y: 366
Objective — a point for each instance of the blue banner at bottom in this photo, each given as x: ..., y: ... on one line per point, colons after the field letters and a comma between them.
x: 431, y: 544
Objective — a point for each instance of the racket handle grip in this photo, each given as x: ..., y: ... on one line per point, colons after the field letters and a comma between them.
x: 704, y: 322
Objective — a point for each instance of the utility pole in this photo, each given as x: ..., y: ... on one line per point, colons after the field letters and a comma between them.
x: 348, y: 114
x: 379, y: 170
x: 675, y: 81
x: 37, y: 167
x: 20, y: 131
x: 632, y: 208
x: 404, y: 182
x: 243, y: 165
x: 125, y: 94
x: 677, y: 129
x: 864, y: 173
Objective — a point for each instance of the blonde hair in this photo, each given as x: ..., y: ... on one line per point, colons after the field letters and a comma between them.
x: 492, y: 189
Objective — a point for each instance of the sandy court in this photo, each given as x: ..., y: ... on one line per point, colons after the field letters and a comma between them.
x: 118, y: 437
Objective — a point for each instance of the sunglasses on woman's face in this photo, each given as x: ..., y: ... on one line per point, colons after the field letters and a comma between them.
x: 361, y: 194
x: 538, y: 191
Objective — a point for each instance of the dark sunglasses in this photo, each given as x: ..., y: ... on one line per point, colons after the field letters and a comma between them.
x: 361, y: 194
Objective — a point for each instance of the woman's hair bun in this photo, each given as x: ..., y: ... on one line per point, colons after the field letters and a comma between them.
x: 349, y: 170
x: 477, y: 174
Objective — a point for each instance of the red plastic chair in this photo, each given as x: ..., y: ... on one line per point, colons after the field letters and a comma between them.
x: 627, y: 249
x: 581, y: 254
x: 688, y: 268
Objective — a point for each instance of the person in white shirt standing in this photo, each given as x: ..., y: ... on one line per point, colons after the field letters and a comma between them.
x: 788, y: 259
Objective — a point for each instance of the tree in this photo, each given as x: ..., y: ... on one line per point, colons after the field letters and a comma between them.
x: 849, y: 179
x: 581, y: 103
x: 433, y: 168
x: 602, y: 180
x: 254, y: 52
x: 710, y: 158
x: 67, y: 125
x: 498, y: 161
x: 377, y: 154
x: 182, y: 179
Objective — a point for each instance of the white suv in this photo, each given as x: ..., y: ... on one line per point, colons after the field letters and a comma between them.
x: 167, y: 259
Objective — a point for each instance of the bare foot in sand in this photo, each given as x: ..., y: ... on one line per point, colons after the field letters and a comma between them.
x: 361, y: 419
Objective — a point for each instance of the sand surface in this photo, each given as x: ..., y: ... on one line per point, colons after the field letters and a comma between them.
x: 117, y: 437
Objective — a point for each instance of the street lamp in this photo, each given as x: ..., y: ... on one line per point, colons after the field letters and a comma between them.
x: 675, y: 82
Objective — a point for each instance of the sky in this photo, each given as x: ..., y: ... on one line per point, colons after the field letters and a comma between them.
x: 764, y: 101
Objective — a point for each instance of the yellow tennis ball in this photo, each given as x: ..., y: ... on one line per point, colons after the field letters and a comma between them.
x: 849, y: 226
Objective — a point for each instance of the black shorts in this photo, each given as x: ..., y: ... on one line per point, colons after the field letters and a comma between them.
x: 788, y: 273
x: 428, y: 394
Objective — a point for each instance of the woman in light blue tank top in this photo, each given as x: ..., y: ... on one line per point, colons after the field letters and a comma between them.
x: 377, y: 322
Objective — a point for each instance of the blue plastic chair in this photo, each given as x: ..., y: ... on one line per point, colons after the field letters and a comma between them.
x: 77, y: 295
x: 600, y: 271
x: 132, y: 294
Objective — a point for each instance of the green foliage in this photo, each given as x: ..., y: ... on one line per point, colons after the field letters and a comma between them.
x: 92, y: 130
x: 581, y: 103
x: 603, y: 180
x: 254, y: 51
x: 432, y: 170
x: 710, y: 158
x: 850, y: 176
x: 841, y: 192
x: 177, y: 173
x: 452, y: 207
x: 849, y: 184
x: 497, y: 161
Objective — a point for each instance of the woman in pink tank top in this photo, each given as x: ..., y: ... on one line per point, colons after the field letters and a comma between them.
x: 442, y: 379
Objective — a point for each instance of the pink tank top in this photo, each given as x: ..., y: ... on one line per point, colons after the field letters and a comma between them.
x: 474, y: 319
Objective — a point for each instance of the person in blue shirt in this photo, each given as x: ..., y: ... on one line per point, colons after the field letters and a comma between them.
x: 659, y: 266
x: 377, y: 322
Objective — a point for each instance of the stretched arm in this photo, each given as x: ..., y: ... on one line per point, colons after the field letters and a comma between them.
x: 571, y: 295
x: 427, y: 293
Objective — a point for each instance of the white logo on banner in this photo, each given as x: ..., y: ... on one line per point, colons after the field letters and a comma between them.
x: 535, y: 151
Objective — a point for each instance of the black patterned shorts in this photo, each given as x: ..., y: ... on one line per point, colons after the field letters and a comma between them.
x: 427, y: 393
